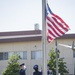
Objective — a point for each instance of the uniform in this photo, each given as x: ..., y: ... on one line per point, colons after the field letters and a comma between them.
x: 22, y: 70
x: 37, y: 73
x: 36, y: 70
x: 49, y: 72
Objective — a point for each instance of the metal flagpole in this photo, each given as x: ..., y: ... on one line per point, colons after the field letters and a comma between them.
x: 44, y: 37
x: 56, y: 49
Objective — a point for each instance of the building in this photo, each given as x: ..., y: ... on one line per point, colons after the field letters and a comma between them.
x: 29, y: 45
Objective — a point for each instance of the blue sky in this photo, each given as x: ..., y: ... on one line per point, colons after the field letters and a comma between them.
x: 20, y: 15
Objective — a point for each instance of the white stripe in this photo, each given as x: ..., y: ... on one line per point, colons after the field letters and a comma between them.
x: 63, y: 24
x: 51, y: 36
x: 57, y: 26
x: 54, y: 27
x: 50, y: 40
x: 52, y: 31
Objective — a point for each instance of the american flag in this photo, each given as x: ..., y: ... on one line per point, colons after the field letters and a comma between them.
x: 56, y: 27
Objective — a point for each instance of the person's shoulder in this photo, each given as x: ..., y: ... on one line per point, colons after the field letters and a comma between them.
x: 20, y: 71
x: 34, y: 73
x: 40, y: 73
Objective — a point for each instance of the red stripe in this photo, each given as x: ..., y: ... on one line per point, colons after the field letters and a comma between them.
x: 55, y: 25
x: 50, y: 39
x: 60, y: 20
x: 55, y: 28
x: 58, y: 27
x: 50, y: 32
x: 65, y: 28
x: 52, y: 29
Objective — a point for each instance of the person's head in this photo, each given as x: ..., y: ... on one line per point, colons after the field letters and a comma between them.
x: 48, y: 67
x: 35, y: 67
x: 22, y: 66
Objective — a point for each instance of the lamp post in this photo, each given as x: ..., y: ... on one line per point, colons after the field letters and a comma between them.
x: 73, y: 48
x: 56, y: 49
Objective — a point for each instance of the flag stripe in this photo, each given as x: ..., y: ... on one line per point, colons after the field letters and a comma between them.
x: 65, y: 27
x: 61, y: 20
x: 51, y: 33
x: 49, y: 39
x: 59, y: 26
x: 55, y: 25
x: 52, y: 29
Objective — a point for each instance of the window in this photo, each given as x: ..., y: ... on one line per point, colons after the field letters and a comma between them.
x: 6, y: 55
x: 3, y: 55
x: 23, y: 54
x: 36, y: 54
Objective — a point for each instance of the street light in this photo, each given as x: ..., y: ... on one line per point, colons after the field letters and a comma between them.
x: 73, y: 48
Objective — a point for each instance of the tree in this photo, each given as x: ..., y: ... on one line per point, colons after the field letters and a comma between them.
x: 13, y: 65
x: 61, y: 63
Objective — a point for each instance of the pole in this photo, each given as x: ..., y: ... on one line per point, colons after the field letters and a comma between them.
x: 56, y: 56
x: 44, y: 38
x: 74, y: 66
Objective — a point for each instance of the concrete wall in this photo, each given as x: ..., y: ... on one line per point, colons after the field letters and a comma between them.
x: 35, y: 46
x: 21, y: 46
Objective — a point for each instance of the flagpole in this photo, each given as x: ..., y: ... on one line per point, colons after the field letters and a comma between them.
x: 44, y: 38
x: 56, y: 49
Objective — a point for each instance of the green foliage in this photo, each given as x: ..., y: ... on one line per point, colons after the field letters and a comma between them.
x: 52, y: 63
x: 13, y: 65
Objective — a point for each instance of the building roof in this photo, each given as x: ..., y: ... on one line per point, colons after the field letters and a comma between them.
x: 67, y: 36
x: 32, y: 35
x: 19, y: 36
x: 31, y: 32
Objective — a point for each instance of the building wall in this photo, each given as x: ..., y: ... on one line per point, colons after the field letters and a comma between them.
x: 37, y: 46
x: 21, y: 46
x: 65, y: 52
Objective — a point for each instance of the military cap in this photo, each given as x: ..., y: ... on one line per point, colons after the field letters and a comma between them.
x: 35, y: 67
x: 22, y: 64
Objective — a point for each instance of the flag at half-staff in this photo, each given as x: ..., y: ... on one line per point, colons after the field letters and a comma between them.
x: 56, y: 27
